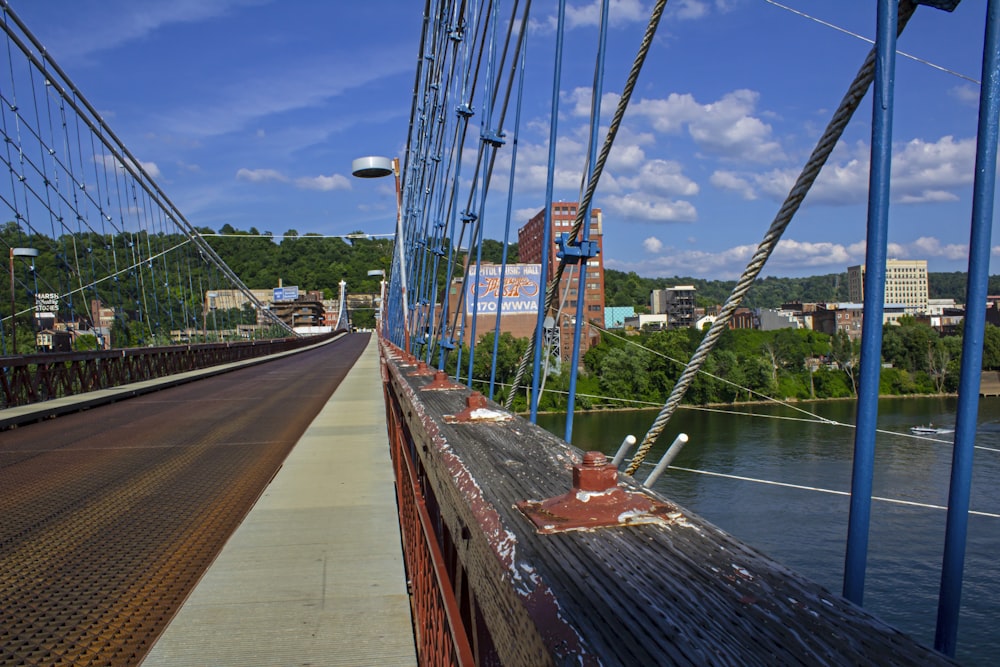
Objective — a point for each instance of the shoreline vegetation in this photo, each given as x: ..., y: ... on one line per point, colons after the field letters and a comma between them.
x: 773, y: 401
x: 748, y: 367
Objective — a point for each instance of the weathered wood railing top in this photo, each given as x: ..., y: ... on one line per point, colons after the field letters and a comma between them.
x: 677, y: 590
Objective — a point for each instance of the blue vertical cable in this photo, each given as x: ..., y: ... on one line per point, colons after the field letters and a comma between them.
x: 956, y: 526
x: 581, y: 278
x: 463, y: 112
x: 488, y: 143
x: 547, y: 223
x: 510, y: 202
x: 874, y: 298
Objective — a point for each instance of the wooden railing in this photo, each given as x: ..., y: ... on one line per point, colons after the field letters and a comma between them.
x: 538, y: 564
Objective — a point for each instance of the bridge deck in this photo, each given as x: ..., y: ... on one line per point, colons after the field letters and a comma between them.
x: 314, y: 573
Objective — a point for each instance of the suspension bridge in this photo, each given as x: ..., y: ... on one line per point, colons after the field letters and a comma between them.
x: 196, y: 482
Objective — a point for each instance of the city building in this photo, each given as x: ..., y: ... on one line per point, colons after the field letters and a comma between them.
x: 744, y: 318
x: 905, y: 284
x: 303, y: 312
x: 529, y: 239
x: 833, y: 318
x: 771, y: 319
x: 677, y: 303
x: 646, y: 322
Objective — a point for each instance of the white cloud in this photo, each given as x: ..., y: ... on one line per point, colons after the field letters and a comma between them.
x: 922, y: 172
x: 729, y: 263
x: 662, y: 177
x: 324, y: 183
x: 966, y: 94
x: 260, y: 175
x: 110, y: 163
x: 124, y: 22
x: 620, y: 12
x: 789, y: 257
x: 690, y: 9
x: 525, y: 214
x: 648, y: 209
x: 819, y: 254
x: 652, y: 244
x: 728, y: 180
x: 930, y: 247
x: 626, y: 157
x: 726, y: 127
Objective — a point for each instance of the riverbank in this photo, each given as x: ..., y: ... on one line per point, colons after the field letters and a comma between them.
x: 773, y: 401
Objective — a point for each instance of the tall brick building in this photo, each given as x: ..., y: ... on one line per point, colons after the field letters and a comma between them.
x: 529, y: 240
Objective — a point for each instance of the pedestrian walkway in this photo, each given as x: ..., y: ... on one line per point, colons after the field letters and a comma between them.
x: 314, y: 574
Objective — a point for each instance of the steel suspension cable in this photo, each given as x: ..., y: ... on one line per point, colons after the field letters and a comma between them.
x: 117, y: 149
x: 584, y: 204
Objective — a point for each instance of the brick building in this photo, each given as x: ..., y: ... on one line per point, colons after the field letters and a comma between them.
x: 529, y: 239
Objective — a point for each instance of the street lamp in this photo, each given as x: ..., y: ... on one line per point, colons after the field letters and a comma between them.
x: 376, y: 167
x: 16, y: 252
x: 380, y: 311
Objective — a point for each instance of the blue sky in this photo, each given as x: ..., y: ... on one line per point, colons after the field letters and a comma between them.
x: 249, y: 112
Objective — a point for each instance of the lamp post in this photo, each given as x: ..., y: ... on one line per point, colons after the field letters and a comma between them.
x: 376, y: 167
x: 380, y: 311
x: 16, y: 252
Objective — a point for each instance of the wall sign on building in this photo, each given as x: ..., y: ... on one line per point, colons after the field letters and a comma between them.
x: 286, y: 293
x: 521, y: 287
x: 46, y: 303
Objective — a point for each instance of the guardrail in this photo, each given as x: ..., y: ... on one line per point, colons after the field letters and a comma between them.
x: 33, y: 378
x: 522, y: 550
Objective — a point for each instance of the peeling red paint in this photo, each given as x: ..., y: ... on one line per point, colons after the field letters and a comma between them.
x: 560, y: 637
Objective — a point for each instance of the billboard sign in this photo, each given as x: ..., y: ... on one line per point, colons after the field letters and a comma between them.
x: 46, y: 303
x: 521, y: 289
x: 287, y: 293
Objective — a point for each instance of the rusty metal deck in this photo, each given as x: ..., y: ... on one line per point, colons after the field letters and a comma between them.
x: 112, y: 515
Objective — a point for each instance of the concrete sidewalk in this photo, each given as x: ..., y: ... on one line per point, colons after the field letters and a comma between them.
x: 314, y: 574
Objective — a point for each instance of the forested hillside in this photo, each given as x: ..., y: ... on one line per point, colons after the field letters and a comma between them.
x: 314, y: 262
x: 310, y: 262
x: 629, y: 289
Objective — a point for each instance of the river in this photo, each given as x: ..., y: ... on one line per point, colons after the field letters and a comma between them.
x: 806, y: 529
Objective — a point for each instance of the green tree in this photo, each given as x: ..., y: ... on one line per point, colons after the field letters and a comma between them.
x: 85, y: 343
x: 625, y: 374
x: 847, y: 354
x: 991, y: 347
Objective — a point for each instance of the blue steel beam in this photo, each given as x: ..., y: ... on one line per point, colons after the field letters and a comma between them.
x: 956, y: 527
x: 547, y: 224
x: 874, y: 298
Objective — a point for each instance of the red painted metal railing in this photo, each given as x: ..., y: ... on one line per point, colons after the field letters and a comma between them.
x: 35, y: 378
x: 440, y: 634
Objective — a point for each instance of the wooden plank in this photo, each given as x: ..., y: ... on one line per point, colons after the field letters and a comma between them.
x: 681, y: 591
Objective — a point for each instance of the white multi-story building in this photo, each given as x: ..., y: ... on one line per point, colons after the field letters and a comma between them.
x: 905, y: 283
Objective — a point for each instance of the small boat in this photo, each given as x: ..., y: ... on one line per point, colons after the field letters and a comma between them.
x: 930, y: 429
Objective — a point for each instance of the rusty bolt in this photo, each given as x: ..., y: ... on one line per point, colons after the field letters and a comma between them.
x: 475, y: 400
x: 594, y: 473
x: 440, y: 381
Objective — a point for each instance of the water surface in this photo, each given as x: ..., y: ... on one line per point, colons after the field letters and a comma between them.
x: 806, y: 529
